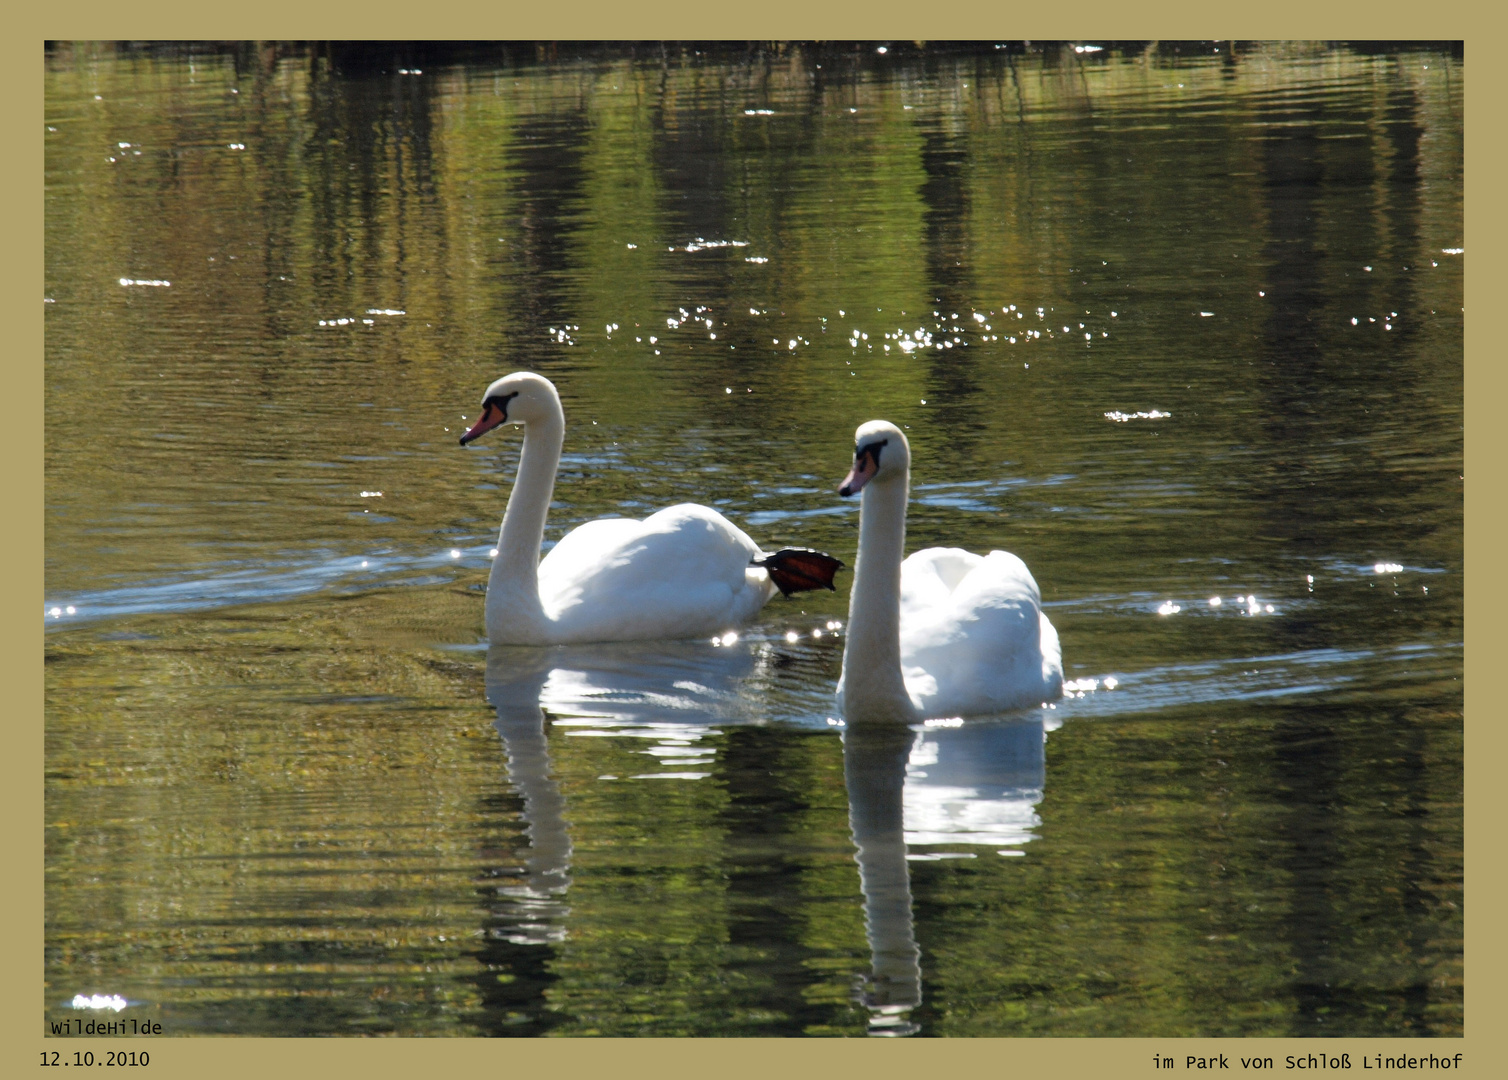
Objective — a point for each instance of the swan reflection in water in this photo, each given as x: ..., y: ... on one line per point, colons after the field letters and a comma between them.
x: 941, y: 783
x: 949, y: 784
x: 535, y: 907
x: 666, y: 691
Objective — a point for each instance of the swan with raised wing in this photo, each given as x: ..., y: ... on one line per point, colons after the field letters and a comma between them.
x: 683, y: 572
x: 944, y: 632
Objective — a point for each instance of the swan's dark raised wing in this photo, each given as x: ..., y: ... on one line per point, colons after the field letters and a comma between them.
x: 800, y: 570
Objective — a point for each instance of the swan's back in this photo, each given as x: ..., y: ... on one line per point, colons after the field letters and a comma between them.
x: 681, y: 572
x: 973, y: 636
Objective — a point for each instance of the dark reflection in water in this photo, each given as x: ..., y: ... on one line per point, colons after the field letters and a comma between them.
x: 874, y: 766
x: 908, y: 790
x: 953, y: 785
x: 529, y: 911
x: 520, y: 722
x: 1176, y: 323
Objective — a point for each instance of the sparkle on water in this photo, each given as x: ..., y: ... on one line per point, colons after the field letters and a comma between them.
x: 112, y: 1002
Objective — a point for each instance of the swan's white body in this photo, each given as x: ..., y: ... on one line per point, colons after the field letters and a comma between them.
x: 682, y: 572
x: 944, y: 632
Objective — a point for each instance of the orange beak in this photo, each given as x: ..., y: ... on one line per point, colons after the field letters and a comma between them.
x: 864, y: 468
x: 493, y: 414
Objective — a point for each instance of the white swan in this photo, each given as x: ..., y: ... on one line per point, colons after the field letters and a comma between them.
x: 686, y: 571
x: 945, y: 633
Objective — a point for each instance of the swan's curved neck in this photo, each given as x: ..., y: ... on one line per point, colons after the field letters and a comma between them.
x: 513, y: 585
x: 872, y: 681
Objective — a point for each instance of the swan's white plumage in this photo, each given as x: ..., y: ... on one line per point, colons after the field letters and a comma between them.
x: 945, y: 632
x: 973, y: 635
x: 682, y: 572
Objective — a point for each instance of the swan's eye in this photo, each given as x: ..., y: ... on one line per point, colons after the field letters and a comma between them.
x: 500, y: 403
x: 871, y: 449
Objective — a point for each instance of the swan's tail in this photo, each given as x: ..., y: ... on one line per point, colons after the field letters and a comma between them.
x: 800, y: 569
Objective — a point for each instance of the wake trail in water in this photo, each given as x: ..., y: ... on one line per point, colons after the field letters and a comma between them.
x: 235, y: 584
x: 674, y: 683
x: 751, y: 692
x: 1257, y: 678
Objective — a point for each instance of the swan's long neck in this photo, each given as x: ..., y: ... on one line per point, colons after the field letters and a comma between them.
x: 513, y: 585
x: 872, y: 682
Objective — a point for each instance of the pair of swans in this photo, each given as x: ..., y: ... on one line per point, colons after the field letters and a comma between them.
x: 943, y: 633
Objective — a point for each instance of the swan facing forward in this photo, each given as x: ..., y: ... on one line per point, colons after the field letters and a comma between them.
x: 946, y: 632
x: 686, y: 571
